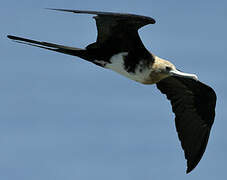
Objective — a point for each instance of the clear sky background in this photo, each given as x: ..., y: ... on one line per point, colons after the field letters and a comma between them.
x: 62, y: 118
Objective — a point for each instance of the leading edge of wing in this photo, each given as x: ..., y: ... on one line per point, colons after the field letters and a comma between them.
x: 147, y: 19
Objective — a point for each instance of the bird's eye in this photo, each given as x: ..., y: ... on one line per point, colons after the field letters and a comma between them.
x: 168, y: 68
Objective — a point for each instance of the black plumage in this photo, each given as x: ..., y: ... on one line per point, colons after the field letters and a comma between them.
x: 194, y: 106
x: 118, y: 45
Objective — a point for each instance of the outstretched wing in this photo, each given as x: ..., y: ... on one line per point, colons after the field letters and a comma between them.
x: 194, y: 106
x: 118, y: 32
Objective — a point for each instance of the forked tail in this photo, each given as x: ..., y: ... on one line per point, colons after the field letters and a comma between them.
x: 82, y: 53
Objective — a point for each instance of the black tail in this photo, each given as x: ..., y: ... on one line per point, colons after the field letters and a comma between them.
x: 82, y: 53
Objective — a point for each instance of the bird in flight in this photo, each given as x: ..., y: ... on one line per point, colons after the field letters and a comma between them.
x: 118, y: 47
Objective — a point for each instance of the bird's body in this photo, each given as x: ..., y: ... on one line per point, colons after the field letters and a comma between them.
x: 141, y: 72
x: 118, y: 47
x: 145, y: 71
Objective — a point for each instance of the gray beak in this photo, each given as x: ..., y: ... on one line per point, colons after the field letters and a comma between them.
x: 175, y: 72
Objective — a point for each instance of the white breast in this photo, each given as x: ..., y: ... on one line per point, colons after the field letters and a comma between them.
x: 117, y: 65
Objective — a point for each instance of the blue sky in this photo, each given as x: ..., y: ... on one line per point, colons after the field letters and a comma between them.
x: 64, y: 118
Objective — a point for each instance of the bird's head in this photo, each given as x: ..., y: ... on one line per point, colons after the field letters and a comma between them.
x: 165, y: 69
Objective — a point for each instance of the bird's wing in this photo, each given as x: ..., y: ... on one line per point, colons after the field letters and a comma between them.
x: 194, y: 106
x: 118, y: 32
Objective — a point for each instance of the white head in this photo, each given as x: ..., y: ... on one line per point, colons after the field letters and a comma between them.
x: 166, y: 69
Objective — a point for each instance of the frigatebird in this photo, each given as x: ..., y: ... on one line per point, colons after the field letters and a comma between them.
x: 118, y: 47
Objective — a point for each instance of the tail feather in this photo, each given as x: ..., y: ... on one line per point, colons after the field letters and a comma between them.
x: 82, y: 53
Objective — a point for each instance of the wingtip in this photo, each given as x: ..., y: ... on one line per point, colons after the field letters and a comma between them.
x: 149, y: 19
x: 56, y: 9
x: 51, y: 9
x: 189, y: 169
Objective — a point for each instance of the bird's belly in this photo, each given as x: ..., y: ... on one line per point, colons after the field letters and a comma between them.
x: 140, y: 74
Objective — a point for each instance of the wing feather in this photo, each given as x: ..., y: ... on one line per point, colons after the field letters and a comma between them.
x: 118, y: 32
x: 194, y: 106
